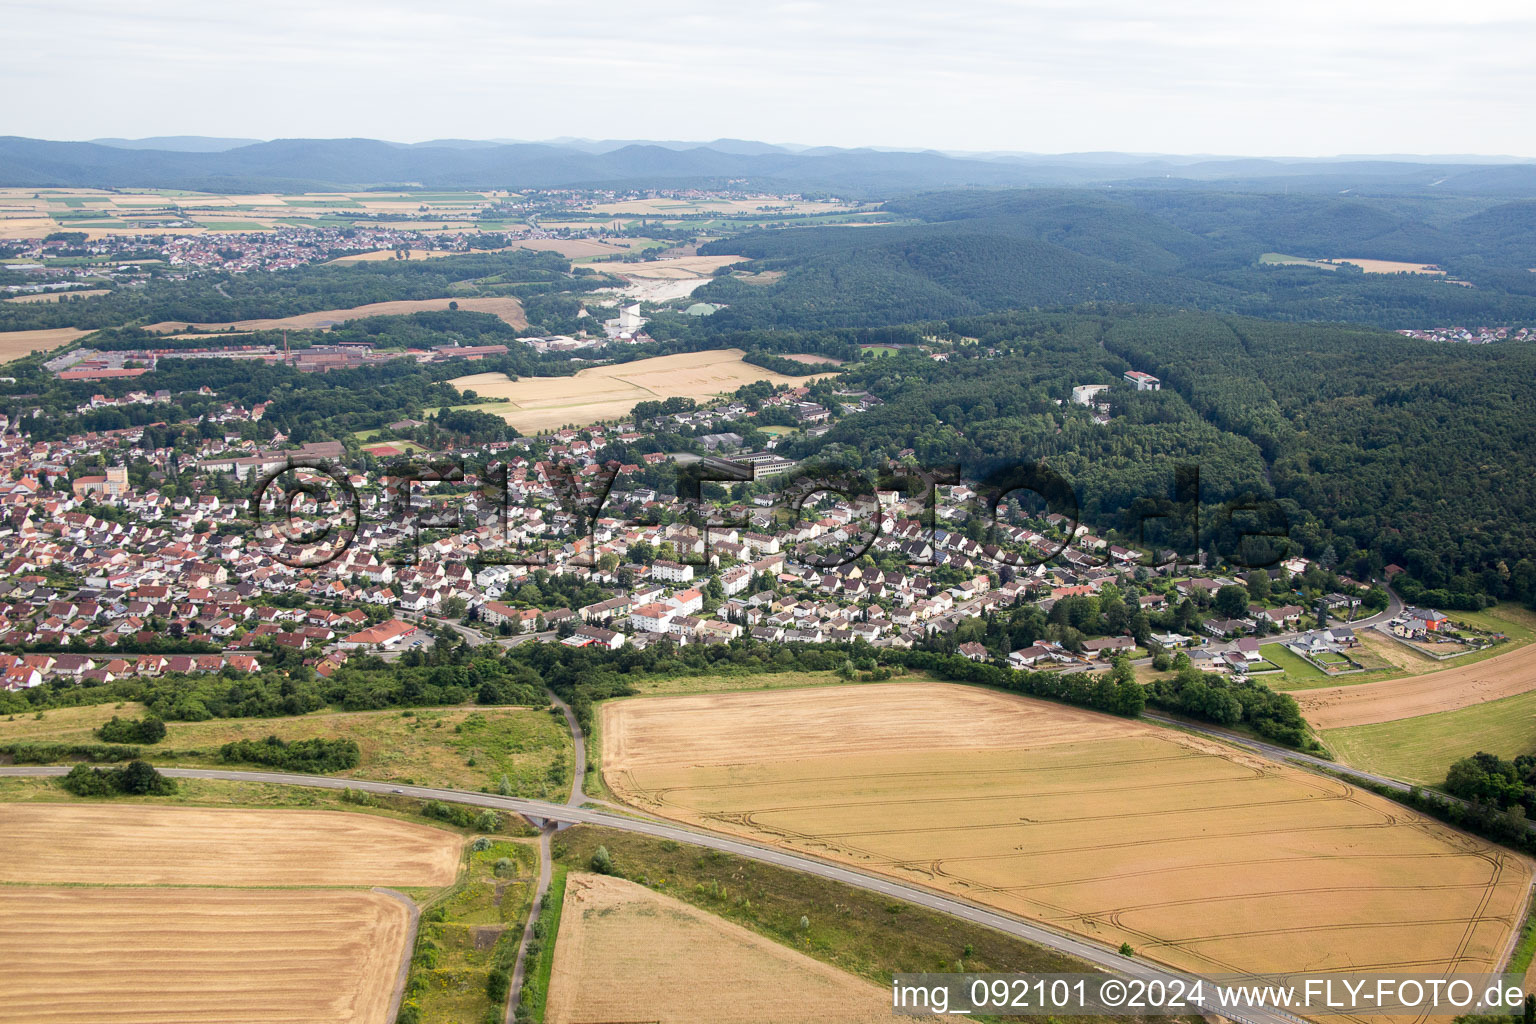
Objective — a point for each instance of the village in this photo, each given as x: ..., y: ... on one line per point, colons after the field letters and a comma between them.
x: 110, y: 574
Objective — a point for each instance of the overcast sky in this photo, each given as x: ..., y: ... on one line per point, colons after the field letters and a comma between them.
x: 1301, y: 77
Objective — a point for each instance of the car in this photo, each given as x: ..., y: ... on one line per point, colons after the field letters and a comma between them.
x: 397, y: 791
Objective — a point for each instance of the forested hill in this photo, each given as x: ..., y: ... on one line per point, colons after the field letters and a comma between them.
x: 974, y: 251
x: 288, y: 165
x: 1381, y: 449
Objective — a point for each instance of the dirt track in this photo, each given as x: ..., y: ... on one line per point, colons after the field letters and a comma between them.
x: 1504, y: 675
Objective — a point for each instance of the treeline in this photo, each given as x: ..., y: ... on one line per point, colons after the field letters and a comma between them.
x: 449, y: 674
x: 217, y: 297
x: 1491, y: 781
x: 1233, y: 702
x: 313, y: 756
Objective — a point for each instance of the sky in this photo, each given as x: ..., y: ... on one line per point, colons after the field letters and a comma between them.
x: 1299, y: 78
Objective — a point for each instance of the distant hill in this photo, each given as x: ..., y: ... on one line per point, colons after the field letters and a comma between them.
x: 237, y: 165
x: 178, y: 143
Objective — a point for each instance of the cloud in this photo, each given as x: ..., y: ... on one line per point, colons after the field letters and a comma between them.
x: 1308, y: 77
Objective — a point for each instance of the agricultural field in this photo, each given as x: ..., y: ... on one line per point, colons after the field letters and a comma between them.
x: 379, y: 255
x: 1390, y: 266
x: 1503, y: 675
x: 167, y: 956
x: 463, y: 748
x: 664, y: 207
x: 33, y: 213
x: 15, y: 344
x: 1198, y: 854
x: 157, y: 845
x: 610, y: 392
x: 40, y: 297
x: 1422, y: 749
x: 509, y: 309
x: 625, y: 952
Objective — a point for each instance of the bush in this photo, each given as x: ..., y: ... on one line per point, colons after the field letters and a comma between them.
x: 602, y: 861
x: 316, y: 756
x: 488, y: 821
x: 138, y: 778
x: 132, y: 730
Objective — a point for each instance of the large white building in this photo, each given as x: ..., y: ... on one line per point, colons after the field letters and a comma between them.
x: 1143, y: 381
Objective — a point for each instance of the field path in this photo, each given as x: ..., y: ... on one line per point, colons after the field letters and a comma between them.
x: 1336, y: 707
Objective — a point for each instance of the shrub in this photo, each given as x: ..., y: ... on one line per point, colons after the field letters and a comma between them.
x: 602, y: 861
x: 488, y: 821
x: 132, y: 730
x: 138, y: 778
x: 317, y: 756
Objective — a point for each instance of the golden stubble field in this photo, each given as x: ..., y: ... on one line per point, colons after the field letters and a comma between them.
x: 1503, y: 675
x: 1197, y: 854
x: 126, y: 913
x: 626, y: 953
x: 168, y: 956
x: 15, y: 344
x: 151, y: 845
x: 610, y: 392
x: 508, y: 309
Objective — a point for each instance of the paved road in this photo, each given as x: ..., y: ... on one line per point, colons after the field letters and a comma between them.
x: 543, y: 811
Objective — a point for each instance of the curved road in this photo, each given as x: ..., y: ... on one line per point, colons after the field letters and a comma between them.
x: 544, y: 812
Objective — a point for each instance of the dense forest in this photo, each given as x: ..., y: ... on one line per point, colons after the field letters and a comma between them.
x: 1375, y: 448
x: 978, y: 251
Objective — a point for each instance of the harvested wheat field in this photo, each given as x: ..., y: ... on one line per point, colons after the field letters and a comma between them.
x: 1197, y: 854
x: 626, y: 953
x: 155, y: 845
x: 674, y: 269
x: 610, y: 392
x: 15, y: 344
x: 379, y: 255
x: 1389, y: 266
x: 78, y: 293
x: 199, y: 956
x: 509, y: 309
x: 1337, y: 707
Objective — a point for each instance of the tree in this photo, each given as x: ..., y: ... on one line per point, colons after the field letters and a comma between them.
x: 1258, y: 586
x: 602, y: 861
x: 1232, y: 600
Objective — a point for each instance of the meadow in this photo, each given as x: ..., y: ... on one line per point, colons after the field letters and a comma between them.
x: 1195, y: 853
x: 463, y: 748
x: 1422, y: 749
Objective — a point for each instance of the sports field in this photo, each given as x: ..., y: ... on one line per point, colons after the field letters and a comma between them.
x: 1195, y: 853
x: 626, y: 953
x: 135, y: 844
x: 509, y: 309
x: 610, y: 392
x: 198, y: 956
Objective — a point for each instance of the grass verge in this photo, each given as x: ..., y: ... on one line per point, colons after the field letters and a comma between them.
x: 541, y: 951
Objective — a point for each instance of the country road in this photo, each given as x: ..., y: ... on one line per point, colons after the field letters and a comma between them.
x: 542, y: 812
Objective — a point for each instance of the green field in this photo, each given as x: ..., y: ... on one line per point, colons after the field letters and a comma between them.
x: 1281, y: 259
x: 1421, y: 749
x: 233, y: 225
x: 464, y: 748
x: 541, y: 950
x: 470, y: 931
